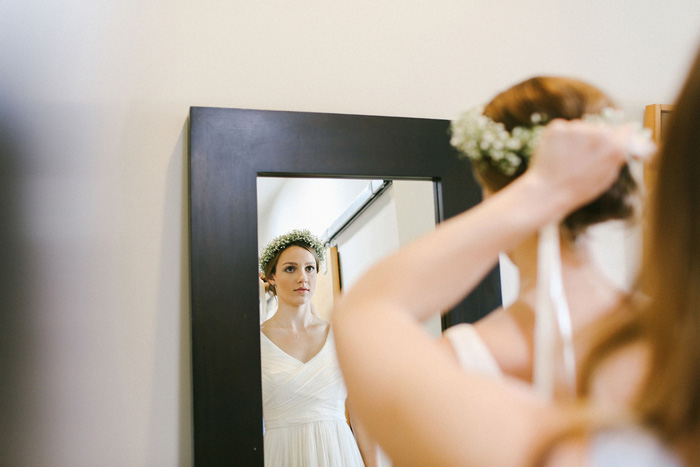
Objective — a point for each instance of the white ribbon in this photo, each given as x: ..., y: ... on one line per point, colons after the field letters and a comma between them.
x: 553, y: 333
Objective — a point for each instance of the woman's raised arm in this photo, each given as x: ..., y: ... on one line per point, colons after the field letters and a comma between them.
x: 421, y: 407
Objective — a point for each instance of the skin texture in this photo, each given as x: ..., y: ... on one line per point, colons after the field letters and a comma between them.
x: 421, y: 407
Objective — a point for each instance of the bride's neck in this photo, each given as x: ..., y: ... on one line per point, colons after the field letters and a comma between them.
x: 588, y: 291
x: 295, y: 317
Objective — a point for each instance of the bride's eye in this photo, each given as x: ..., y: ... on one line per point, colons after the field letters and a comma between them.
x: 289, y: 269
x: 310, y: 268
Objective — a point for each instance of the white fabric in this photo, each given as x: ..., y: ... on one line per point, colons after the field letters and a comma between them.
x: 632, y: 446
x: 553, y: 333
x: 304, y: 410
x: 472, y: 352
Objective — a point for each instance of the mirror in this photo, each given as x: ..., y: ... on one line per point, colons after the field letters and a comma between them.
x: 360, y: 222
x: 229, y: 150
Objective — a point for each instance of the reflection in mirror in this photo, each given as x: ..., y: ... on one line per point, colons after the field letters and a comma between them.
x: 359, y: 222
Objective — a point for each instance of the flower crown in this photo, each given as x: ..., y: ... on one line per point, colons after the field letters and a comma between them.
x: 281, y: 242
x: 488, y: 143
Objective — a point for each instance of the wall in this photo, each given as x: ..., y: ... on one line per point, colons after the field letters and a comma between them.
x: 303, y: 203
x: 401, y: 214
x: 94, y: 97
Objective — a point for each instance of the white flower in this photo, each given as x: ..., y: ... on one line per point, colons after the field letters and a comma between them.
x: 283, y: 241
x: 481, y: 139
x: 514, y: 144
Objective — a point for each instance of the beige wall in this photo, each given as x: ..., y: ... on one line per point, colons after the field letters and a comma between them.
x: 94, y: 97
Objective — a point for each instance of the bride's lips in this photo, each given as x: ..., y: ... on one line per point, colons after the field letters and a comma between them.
x: 301, y: 289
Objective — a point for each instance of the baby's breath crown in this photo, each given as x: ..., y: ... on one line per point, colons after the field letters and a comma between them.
x: 488, y: 143
x: 281, y: 242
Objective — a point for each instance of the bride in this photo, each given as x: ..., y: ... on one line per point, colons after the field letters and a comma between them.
x: 503, y: 342
x: 303, y: 391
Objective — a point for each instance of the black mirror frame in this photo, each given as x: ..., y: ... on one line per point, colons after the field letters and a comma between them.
x: 229, y: 149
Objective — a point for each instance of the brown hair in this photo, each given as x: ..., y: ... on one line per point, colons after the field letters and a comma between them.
x: 271, y: 267
x: 668, y: 400
x: 567, y: 98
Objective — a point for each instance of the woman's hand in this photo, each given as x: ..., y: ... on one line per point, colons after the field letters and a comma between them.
x: 579, y: 160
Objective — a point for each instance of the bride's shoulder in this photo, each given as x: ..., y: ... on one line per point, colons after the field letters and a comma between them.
x: 515, y: 322
x: 322, y: 326
x: 272, y: 329
x: 507, y: 333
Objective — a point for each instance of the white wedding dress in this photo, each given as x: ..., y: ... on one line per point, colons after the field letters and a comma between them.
x: 304, y: 410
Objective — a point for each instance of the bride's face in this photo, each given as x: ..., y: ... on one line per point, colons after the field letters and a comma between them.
x: 295, y: 276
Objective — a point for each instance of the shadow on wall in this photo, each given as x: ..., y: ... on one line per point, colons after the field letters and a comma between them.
x: 16, y: 365
x: 173, y: 336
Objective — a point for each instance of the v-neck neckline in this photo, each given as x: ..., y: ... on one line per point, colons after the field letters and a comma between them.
x: 294, y: 358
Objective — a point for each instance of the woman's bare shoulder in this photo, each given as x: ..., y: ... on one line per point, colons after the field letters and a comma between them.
x: 517, y: 318
x: 508, y: 335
